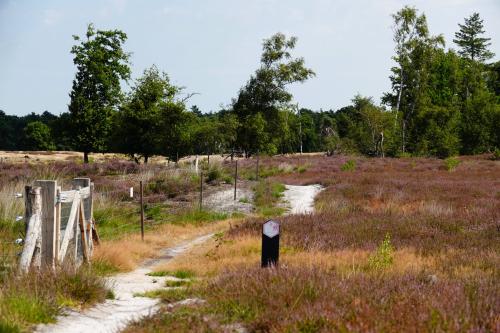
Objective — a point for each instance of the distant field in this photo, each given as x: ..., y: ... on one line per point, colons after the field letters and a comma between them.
x: 73, y: 156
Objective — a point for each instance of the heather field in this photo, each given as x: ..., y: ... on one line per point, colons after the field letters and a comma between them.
x: 408, y: 244
x: 395, y: 245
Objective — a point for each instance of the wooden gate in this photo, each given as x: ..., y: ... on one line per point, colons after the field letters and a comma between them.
x: 60, y: 226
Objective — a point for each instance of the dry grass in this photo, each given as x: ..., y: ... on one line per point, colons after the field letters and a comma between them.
x: 127, y: 252
x: 216, y: 256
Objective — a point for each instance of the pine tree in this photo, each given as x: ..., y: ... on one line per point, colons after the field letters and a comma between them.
x: 472, y: 45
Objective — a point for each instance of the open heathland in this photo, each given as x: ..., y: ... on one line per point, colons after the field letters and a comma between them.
x: 395, y: 244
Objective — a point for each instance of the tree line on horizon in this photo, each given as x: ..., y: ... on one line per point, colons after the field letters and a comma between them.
x: 442, y: 102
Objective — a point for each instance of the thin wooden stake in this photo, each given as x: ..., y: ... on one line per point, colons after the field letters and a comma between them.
x: 257, y: 167
x: 235, y: 178
x: 58, y: 224
x: 142, y: 210
x: 83, y: 233
x: 201, y: 190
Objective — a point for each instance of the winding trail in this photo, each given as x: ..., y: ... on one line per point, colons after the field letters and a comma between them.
x: 114, y: 315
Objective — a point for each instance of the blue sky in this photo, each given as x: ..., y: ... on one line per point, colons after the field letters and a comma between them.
x: 212, y: 46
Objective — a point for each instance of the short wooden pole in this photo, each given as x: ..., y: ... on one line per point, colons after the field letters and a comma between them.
x: 58, y: 224
x: 33, y: 218
x: 201, y: 190
x: 257, y: 168
x: 235, y: 178
x: 142, y: 209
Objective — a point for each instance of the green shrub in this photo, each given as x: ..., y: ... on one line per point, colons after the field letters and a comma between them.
x: 349, y: 166
x: 384, y: 255
x: 496, y: 154
x: 451, y: 163
x: 214, y: 173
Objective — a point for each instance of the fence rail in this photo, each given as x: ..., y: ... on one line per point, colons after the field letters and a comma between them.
x: 50, y: 239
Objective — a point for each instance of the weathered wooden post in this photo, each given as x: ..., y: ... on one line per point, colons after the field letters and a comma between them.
x: 257, y: 167
x: 142, y: 209
x: 84, y: 222
x: 58, y: 223
x: 33, y: 220
x: 48, y: 234
x: 270, y: 244
x: 201, y: 190
x: 235, y: 178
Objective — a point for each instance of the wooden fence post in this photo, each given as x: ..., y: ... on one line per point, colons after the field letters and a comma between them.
x: 201, y: 190
x: 48, y: 235
x: 84, y: 216
x: 257, y: 168
x: 235, y: 178
x: 142, y: 209
x: 33, y: 218
x: 58, y: 224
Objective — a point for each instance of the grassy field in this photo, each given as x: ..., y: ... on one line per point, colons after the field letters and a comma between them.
x: 396, y: 245
x: 171, y: 216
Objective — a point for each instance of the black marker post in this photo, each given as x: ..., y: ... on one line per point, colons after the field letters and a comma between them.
x: 270, y: 243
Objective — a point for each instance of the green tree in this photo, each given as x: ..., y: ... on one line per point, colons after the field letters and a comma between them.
x: 139, y: 124
x: 101, y: 64
x: 478, y: 100
x: 415, y: 48
x: 265, y: 95
x: 38, y: 137
x: 468, y: 38
x: 176, y: 130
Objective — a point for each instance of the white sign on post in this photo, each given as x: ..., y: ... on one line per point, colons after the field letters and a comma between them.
x: 131, y: 192
x: 271, y: 228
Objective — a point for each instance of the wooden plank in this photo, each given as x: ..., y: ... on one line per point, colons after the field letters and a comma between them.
x: 33, y: 203
x: 78, y: 184
x: 48, y: 193
x: 58, y: 224
x: 85, y: 192
x: 69, y: 233
x: 83, y: 232
x: 83, y: 184
x: 90, y: 217
x: 67, y: 196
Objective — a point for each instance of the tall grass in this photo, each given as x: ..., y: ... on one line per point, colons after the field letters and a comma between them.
x: 38, y: 297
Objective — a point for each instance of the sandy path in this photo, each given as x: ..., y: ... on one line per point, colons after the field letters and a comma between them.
x: 301, y: 198
x: 114, y: 315
x: 223, y: 201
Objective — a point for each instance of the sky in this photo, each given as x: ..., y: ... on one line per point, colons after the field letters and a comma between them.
x: 211, y: 47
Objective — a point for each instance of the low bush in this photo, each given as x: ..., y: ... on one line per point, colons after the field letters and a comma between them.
x: 267, y: 195
x: 451, y: 163
x: 383, y: 257
x: 349, y: 166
